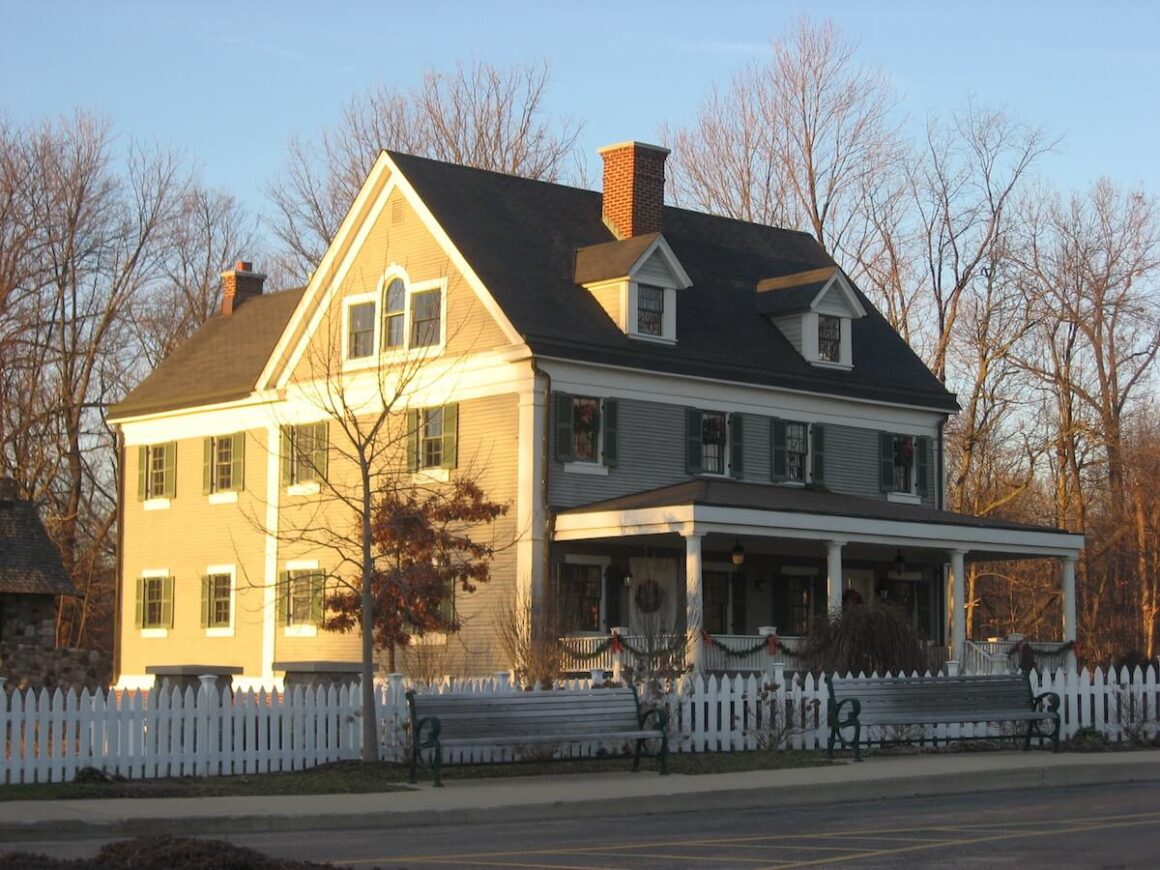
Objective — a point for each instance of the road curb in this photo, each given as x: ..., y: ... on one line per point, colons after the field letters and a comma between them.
x: 764, y: 796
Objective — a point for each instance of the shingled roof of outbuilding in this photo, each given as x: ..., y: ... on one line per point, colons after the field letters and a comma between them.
x: 220, y: 362
x: 30, y: 564
x: 521, y: 238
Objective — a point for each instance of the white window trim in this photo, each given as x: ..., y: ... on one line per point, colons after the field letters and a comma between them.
x: 408, y: 351
x: 223, y: 630
x: 348, y: 302
x: 668, y: 317
x: 904, y: 497
x: 728, y: 447
x: 156, y: 504
x: 590, y: 466
x: 912, y: 495
x: 228, y: 497
x: 147, y: 574
x: 301, y: 630
x: 604, y: 562
x: 810, y: 342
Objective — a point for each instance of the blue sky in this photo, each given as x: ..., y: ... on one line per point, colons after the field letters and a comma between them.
x: 229, y: 82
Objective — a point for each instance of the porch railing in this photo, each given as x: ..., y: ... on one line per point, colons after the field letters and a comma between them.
x: 586, y: 653
x: 994, y: 656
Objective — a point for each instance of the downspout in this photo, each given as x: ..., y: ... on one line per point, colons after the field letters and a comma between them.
x: 545, y: 464
x: 940, y: 504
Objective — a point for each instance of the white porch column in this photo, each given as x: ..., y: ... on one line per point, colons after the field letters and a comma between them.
x: 694, y: 602
x: 834, y: 575
x: 957, y: 597
x: 1067, y: 566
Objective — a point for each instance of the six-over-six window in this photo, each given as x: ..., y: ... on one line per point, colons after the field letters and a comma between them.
x: 586, y: 429
x: 412, y: 317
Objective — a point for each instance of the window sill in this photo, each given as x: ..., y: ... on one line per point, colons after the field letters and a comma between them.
x: 300, y: 631
x: 443, y: 475
x: 154, y: 632
x: 796, y: 484
x: 219, y: 632
x: 230, y: 497
x: 827, y: 364
x: 586, y: 468
x: 433, y: 639
x: 157, y: 504
x: 904, y: 497
x: 653, y: 339
x: 303, y: 489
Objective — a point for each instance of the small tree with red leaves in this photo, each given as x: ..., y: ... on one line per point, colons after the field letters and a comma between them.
x: 424, y: 551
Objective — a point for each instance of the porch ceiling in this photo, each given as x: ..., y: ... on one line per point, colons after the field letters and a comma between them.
x: 711, y: 506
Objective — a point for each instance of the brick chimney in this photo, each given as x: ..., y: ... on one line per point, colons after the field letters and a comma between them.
x: 634, y: 188
x: 239, y: 284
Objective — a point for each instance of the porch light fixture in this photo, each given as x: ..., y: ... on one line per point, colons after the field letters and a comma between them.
x: 627, y: 579
x: 899, y: 562
x: 737, y: 554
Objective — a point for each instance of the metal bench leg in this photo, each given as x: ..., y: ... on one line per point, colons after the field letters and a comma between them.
x: 665, y: 754
x: 636, y: 755
x: 437, y: 766
x: 857, y: 741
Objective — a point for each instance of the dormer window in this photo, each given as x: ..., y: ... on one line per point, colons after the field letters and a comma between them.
x: 829, y: 338
x: 650, y: 310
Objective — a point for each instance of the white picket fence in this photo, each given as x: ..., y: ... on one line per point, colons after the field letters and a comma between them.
x: 48, y: 736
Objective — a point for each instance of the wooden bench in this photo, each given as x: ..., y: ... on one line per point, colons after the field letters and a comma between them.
x: 448, y: 721
x: 857, y: 702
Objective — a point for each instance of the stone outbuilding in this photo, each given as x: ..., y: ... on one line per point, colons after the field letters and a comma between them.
x: 32, y: 574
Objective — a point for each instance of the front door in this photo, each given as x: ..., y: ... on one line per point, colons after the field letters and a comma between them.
x: 652, y: 602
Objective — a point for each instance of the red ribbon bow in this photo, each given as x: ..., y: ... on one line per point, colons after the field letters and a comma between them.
x: 772, y: 642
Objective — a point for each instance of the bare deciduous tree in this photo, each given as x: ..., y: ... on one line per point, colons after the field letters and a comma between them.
x: 478, y: 115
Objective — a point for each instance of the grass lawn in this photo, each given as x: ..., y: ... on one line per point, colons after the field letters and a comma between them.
x: 355, y: 777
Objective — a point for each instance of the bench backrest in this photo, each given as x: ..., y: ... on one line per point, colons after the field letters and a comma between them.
x: 939, y: 695
x: 536, y: 714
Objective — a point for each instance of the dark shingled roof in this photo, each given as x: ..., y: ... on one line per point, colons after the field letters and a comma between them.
x: 611, y: 259
x: 218, y: 363
x: 756, y: 496
x: 29, y: 562
x: 521, y: 237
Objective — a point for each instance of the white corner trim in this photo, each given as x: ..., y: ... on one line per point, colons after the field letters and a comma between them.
x: 303, y: 489
x: 156, y: 504
x: 229, y: 497
x: 594, y: 468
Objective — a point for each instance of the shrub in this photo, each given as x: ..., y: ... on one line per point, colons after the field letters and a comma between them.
x: 864, y: 638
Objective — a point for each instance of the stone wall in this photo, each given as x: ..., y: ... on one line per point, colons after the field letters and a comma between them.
x: 34, y: 667
x: 28, y: 620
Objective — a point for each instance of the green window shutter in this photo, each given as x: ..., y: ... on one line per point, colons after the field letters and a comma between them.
x: 282, y: 599
x: 321, y: 450
x: 171, y: 469
x: 207, y: 466
x: 922, y: 464
x: 608, y: 420
x: 238, y: 464
x: 140, y: 619
x: 777, y: 468
x: 206, y: 599
x: 317, y: 591
x: 287, y: 449
x: 818, y: 453
x: 565, y: 441
x: 885, y: 461
x: 694, y: 451
x: 413, y: 440
x: 450, y: 436
x: 736, y: 445
x: 142, y: 472
x: 167, y: 602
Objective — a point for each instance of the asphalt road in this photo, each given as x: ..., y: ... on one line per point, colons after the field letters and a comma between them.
x: 1085, y: 827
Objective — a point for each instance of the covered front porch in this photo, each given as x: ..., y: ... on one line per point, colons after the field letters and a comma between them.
x: 729, y: 576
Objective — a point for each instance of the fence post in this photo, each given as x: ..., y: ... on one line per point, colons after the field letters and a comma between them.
x: 952, y: 668
x: 781, y: 714
x: 502, y: 681
x: 597, y: 677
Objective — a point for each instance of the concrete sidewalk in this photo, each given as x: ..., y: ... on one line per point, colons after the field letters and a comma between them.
x: 588, y: 796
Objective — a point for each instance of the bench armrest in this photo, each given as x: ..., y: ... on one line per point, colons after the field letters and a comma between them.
x: 661, y: 714
x: 836, y: 712
x: 432, y: 726
x: 1052, y: 699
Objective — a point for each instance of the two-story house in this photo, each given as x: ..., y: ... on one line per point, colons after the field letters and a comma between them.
x: 699, y: 424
